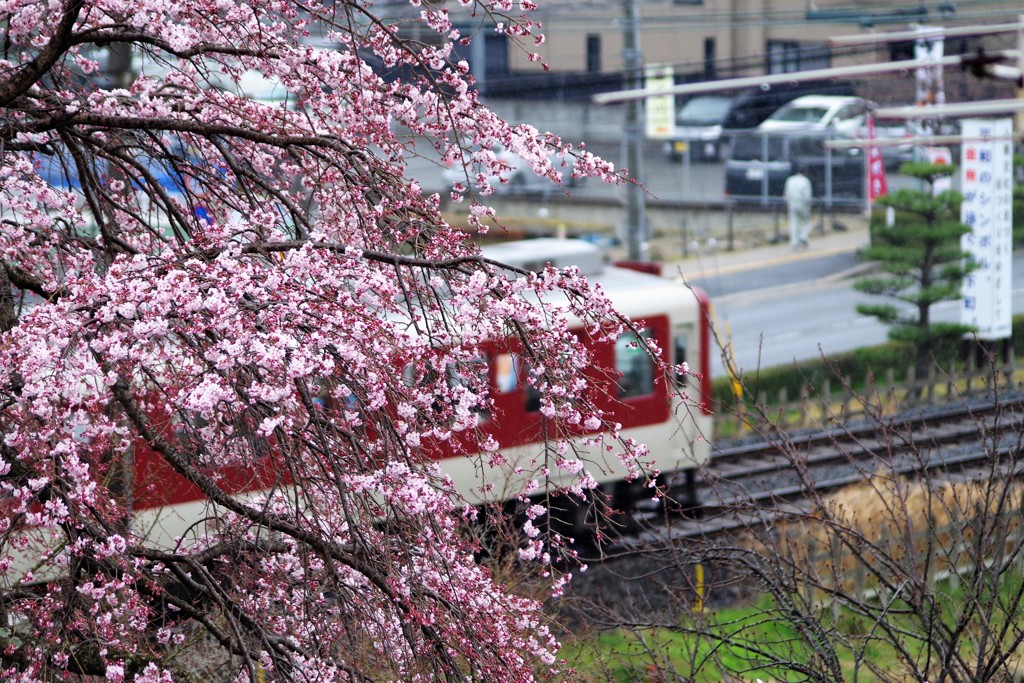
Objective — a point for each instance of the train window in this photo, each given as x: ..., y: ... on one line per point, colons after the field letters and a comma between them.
x: 187, y: 423
x: 679, y: 355
x: 506, y: 372
x: 322, y: 398
x: 531, y: 394
x: 634, y: 364
x: 512, y: 372
x: 459, y: 376
x: 531, y: 400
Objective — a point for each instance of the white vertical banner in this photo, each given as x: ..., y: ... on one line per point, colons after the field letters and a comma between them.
x: 929, y: 46
x: 929, y: 87
x: 661, y: 110
x: 986, y: 180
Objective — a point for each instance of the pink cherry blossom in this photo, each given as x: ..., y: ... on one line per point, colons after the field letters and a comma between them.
x: 245, y: 308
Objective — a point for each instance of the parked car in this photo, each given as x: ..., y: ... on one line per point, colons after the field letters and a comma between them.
x: 758, y: 166
x: 745, y: 110
x: 698, y: 128
x: 754, y: 106
x: 895, y: 155
x: 845, y: 115
x: 520, y: 177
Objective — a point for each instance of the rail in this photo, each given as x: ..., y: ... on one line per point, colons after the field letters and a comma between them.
x: 747, y: 485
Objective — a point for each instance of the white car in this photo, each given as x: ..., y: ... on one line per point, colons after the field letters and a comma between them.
x: 844, y: 115
x: 839, y: 117
x: 518, y: 179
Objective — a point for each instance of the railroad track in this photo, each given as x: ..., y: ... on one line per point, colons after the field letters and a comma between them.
x: 745, y: 484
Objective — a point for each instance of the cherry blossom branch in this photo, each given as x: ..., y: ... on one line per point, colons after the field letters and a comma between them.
x: 196, y: 341
x: 344, y: 554
x: 29, y: 73
x: 207, y: 128
x: 127, y: 34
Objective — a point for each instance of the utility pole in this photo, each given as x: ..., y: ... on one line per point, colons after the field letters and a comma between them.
x: 119, y: 64
x: 632, y: 139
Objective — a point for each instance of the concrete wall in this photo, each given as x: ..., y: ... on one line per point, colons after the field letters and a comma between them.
x: 572, y: 120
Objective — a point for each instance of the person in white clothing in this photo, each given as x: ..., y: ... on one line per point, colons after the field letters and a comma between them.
x: 798, y: 196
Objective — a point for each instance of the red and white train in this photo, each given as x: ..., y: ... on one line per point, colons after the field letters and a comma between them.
x: 671, y: 415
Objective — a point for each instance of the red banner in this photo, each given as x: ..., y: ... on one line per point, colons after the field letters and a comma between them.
x: 877, y: 185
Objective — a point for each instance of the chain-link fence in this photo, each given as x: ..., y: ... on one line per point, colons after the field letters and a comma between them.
x: 759, y: 163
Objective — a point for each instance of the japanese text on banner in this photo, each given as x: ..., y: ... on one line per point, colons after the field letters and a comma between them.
x: 987, y: 209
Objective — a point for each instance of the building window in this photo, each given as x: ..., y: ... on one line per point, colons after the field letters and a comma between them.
x: 593, y: 53
x: 787, y: 56
x: 496, y: 54
x: 710, y: 57
x: 486, y: 57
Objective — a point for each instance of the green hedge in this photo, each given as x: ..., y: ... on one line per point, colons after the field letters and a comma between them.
x: 854, y: 364
x: 1018, y: 214
x: 1018, y: 200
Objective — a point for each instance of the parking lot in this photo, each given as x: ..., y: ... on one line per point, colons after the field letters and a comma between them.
x: 667, y: 180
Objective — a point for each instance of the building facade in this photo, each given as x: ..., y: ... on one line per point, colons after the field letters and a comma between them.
x: 713, y: 39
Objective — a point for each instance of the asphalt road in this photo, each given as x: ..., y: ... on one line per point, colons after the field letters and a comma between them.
x: 772, y: 315
x: 790, y: 312
x: 800, y: 276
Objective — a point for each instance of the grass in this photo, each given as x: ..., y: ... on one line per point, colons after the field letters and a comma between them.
x: 680, y: 654
x: 628, y: 656
x: 755, y: 640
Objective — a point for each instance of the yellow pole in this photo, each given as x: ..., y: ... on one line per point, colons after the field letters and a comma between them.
x: 734, y: 380
x: 699, y: 606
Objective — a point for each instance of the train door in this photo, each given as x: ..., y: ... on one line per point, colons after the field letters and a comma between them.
x: 684, y: 346
x: 690, y: 404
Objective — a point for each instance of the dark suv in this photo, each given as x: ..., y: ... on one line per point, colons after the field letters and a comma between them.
x: 758, y: 166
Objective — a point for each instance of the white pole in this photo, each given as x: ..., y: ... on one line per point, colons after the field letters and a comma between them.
x: 907, y: 65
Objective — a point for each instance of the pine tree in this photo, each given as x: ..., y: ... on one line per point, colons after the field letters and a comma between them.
x: 921, y: 261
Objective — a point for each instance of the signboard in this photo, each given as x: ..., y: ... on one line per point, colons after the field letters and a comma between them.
x: 661, y: 110
x: 986, y: 181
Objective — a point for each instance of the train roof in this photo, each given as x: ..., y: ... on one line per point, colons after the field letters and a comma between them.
x: 635, y: 292
x: 538, y: 253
